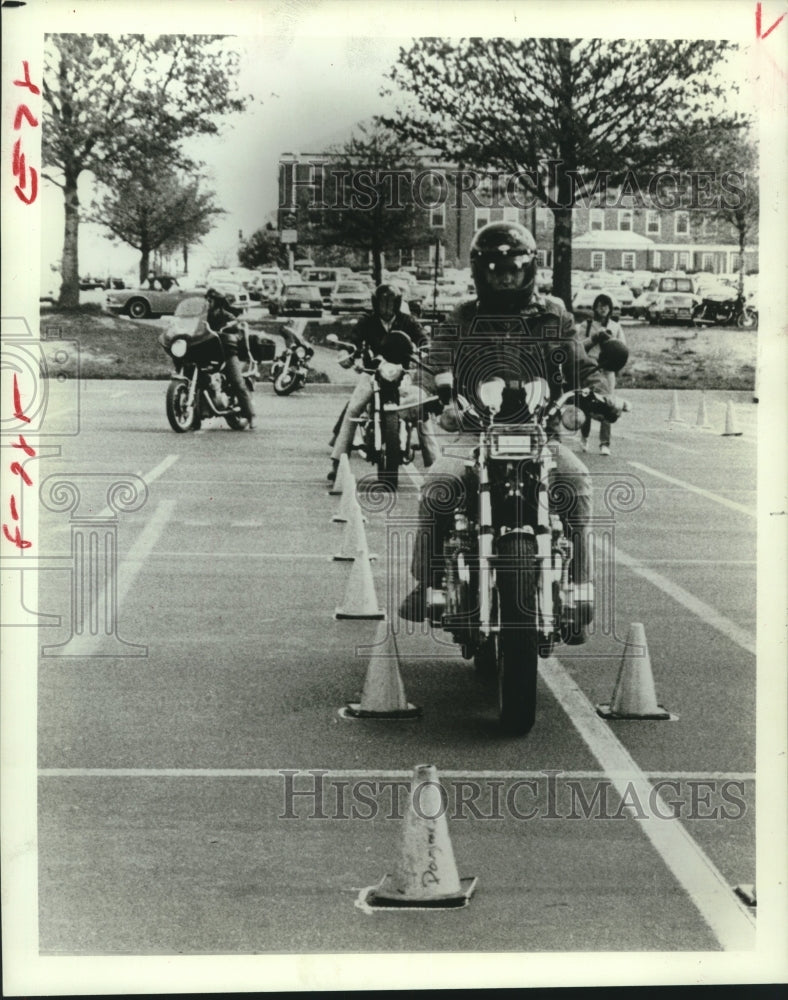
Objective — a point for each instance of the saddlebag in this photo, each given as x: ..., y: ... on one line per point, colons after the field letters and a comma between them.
x: 262, y: 348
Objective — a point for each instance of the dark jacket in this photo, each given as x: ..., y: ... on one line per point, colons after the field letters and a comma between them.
x: 220, y: 313
x: 541, y: 342
x: 369, y: 332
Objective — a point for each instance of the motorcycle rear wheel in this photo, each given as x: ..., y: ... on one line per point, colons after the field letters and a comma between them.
x: 236, y: 421
x: 181, y: 416
x: 747, y: 319
x: 390, y: 456
x: 517, y: 642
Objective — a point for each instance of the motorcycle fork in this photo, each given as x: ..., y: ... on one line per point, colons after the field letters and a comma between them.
x: 191, y: 401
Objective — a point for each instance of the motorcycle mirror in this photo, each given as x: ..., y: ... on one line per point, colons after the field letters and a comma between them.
x: 491, y: 394
x: 572, y: 418
x: 331, y: 338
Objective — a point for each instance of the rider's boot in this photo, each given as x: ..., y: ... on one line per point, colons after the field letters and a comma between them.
x: 332, y: 475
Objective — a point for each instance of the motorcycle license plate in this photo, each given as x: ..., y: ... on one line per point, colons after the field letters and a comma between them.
x: 513, y: 444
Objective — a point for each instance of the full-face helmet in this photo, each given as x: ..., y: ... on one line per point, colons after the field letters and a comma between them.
x: 503, y: 265
x: 386, y: 301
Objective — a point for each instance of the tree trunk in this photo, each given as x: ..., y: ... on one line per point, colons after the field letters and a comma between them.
x: 185, y: 258
x: 69, y: 289
x: 144, y: 264
x: 377, y: 265
x: 562, y: 254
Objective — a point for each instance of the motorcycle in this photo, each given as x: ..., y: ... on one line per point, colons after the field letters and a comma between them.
x: 723, y: 312
x: 389, y: 428
x: 290, y: 369
x: 200, y: 387
x: 506, y: 592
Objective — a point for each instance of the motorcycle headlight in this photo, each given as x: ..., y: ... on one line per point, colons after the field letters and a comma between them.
x: 389, y: 371
x: 300, y: 353
x: 178, y: 348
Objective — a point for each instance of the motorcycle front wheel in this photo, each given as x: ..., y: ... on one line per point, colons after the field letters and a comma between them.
x: 390, y: 455
x: 517, y: 642
x: 181, y: 416
x: 286, y: 382
x: 747, y: 319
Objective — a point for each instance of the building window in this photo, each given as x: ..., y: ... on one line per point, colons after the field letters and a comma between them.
x: 625, y: 220
x: 682, y: 260
x: 596, y: 219
x: 481, y: 217
x: 511, y: 214
x: 653, y: 223
x: 628, y: 261
x: 406, y: 257
x: 438, y: 217
x: 735, y: 262
x: 656, y: 260
x: 708, y: 262
x: 682, y: 224
x: 598, y: 261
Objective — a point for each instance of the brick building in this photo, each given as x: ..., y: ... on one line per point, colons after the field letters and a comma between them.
x: 603, y: 238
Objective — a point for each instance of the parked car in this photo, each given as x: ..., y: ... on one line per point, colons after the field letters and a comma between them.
x: 448, y: 298
x: 298, y: 299
x: 672, y: 300
x: 164, y: 297
x: 350, y: 296
x: 544, y: 279
x: 583, y: 300
x: 326, y: 278
x: 268, y: 285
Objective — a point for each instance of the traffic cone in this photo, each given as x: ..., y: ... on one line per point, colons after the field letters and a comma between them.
x: 340, y: 480
x: 360, y: 600
x: 426, y: 872
x: 348, y: 499
x: 731, y: 427
x: 674, y: 417
x: 383, y: 696
x: 634, y: 696
x: 353, y: 537
x: 702, y: 420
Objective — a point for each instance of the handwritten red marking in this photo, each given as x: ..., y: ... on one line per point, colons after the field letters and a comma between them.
x: 758, y: 32
x: 17, y: 539
x: 24, y: 445
x: 20, y: 193
x: 26, y: 82
x: 18, y: 403
x: 13, y: 508
x: 23, y: 111
x: 17, y: 469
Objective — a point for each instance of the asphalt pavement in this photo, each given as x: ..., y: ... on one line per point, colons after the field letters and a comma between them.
x: 166, y: 823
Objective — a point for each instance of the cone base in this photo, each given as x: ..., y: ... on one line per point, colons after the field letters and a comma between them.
x: 383, y: 897
x: 340, y: 558
x: 354, y: 710
x: 378, y: 616
x: 662, y: 715
x: 731, y: 434
x: 746, y: 893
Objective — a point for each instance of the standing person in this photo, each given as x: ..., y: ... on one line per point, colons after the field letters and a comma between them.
x: 601, y: 334
x: 222, y: 318
x: 368, y: 335
x: 485, y: 339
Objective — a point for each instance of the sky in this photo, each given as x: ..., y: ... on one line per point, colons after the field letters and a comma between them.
x: 310, y: 91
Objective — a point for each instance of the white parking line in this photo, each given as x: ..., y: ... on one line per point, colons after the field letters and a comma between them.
x: 149, y: 477
x: 732, y: 925
x: 740, y: 508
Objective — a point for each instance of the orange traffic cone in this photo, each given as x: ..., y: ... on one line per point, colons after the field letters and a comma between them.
x: 674, y: 417
x: 702, y: 420
x: 426, y: 873
x: 731, y: 427
x: 348, y: 499
x: 353, y: 537
x: 360, y: 600
x: 634, y: 696
x: 383, y: 696
x: 340, y: 481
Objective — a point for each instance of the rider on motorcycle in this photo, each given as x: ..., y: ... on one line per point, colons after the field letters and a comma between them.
x: 478, y: 344
x: 368, y: 335
x: 222, y: 318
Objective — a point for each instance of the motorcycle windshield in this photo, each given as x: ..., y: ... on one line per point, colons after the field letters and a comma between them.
x: 188, y: 321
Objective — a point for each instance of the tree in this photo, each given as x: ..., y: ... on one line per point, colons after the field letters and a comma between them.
x: 153, y: 209
x: 373, y: 218
x: 102, y: 92
x: 562, y: 110
x: 263, y: 249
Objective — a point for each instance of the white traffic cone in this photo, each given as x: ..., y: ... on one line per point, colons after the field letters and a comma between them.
x: 731, y: 426
x: 340, y: 480
x: 674, y: 417
x: 360, y: 600
x: 383, y: 696
x: 353, y: 537
x: 634, y: 696
x: 426, y: 872
x: 347, y: 500
x: 702, y: 420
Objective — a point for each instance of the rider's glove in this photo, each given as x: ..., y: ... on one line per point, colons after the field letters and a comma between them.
x: 345, y: 361
x: 609, y: 409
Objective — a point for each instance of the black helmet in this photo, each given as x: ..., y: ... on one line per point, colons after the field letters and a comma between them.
x: 493, y: 244
x: 211, y: 293
x: 613, y: 355
x: 603, y: 300
x: 385, y: 291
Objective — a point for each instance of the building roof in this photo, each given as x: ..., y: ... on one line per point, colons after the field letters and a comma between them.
x: 613, y: 239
